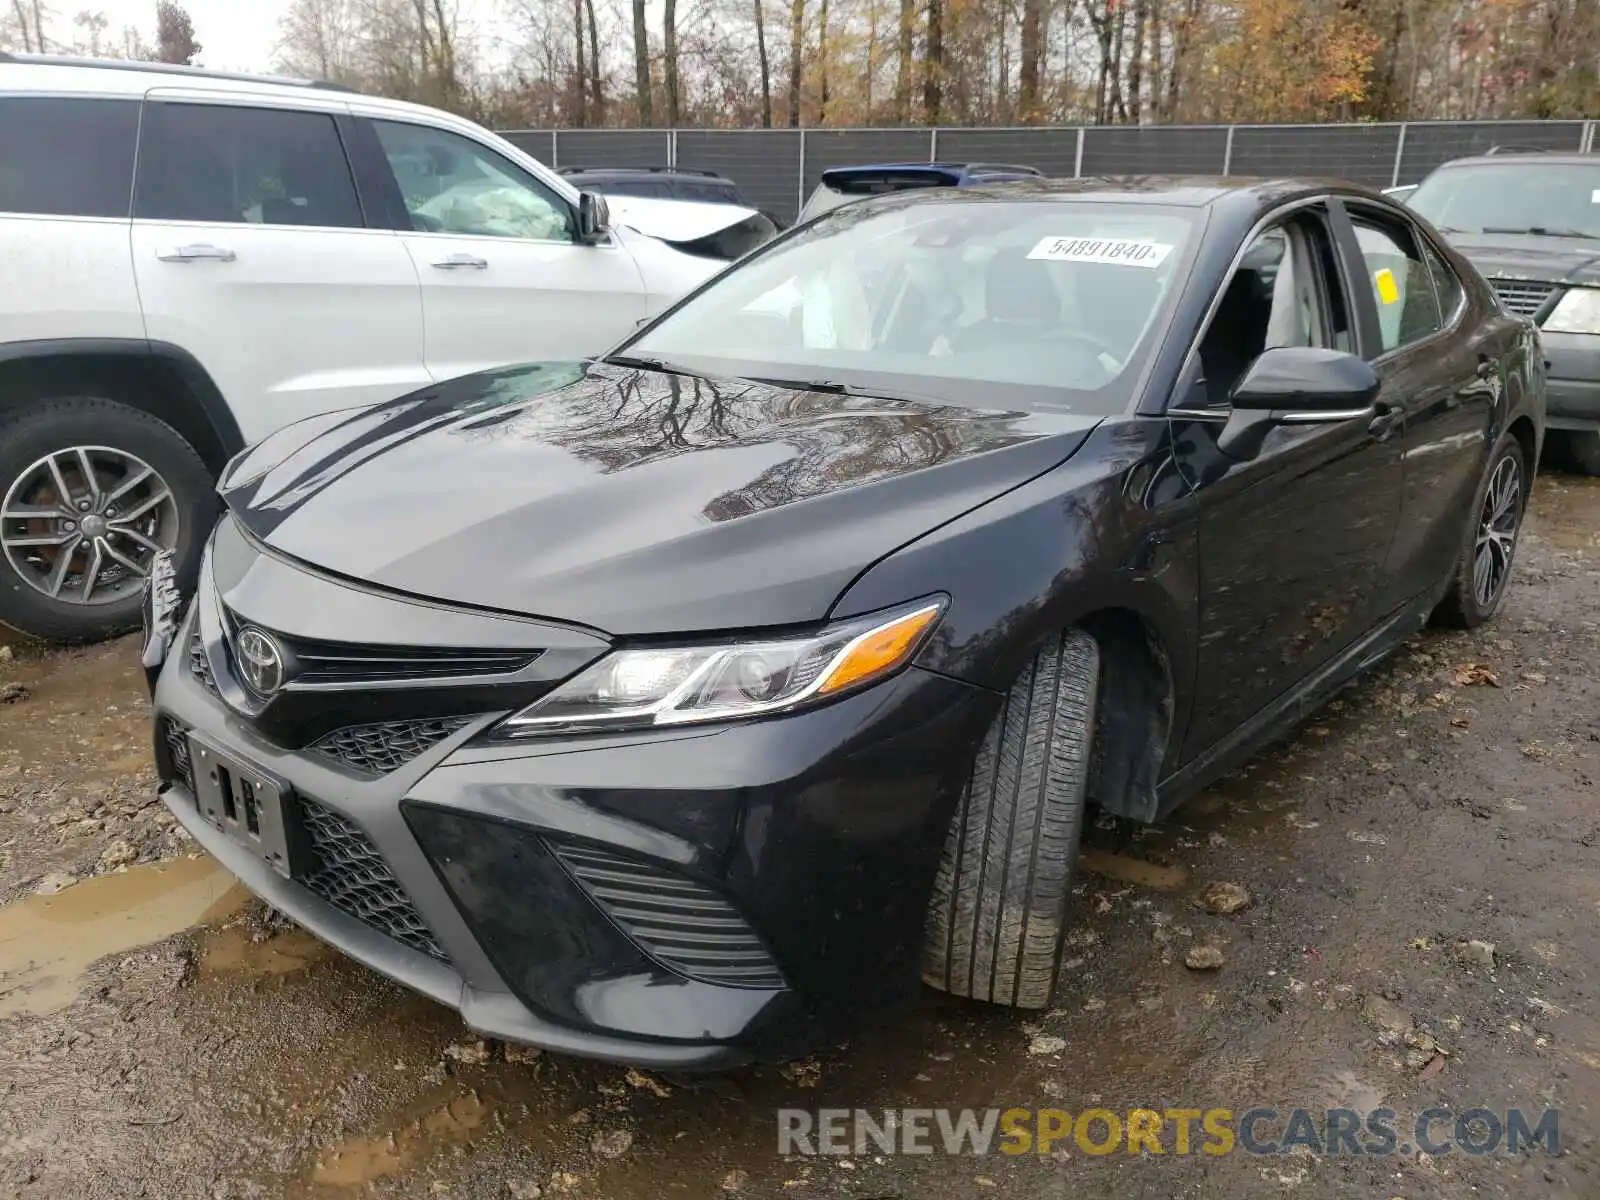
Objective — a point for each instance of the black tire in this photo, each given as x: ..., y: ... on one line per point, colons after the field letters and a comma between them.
x: 1462, y: 606
x: 996, y: 923
x: 1583, y: 450
x: 54, y: 424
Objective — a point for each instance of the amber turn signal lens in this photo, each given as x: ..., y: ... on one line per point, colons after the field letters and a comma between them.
x: 879, y: 650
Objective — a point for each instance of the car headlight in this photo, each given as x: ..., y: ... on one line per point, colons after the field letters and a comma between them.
x: 679, y: 685
x: 1576, y: 312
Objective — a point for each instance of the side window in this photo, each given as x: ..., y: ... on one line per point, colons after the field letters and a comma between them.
x: 1274, y: 298
x: 450, y: 184
x: 67, y: 158
x: 1408, y: 310
x: 258, y: 166
x: 1445, y: 284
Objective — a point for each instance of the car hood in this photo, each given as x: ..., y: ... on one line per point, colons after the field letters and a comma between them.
x: 633, y: 502
x: 1546, y: 259
x: 675, y: 220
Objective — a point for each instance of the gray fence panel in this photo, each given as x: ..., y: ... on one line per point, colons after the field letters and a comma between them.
x: 1168, y: 149
x: 765, y: 163
x: 541, y: 143
x: 613, y: 148
x: 854, y: 147
x: 1360, y: 153
x: 1053, y: 150
x: 1429, y: 143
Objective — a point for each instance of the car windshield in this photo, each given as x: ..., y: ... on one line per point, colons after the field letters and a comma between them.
x: 1515, y: 196
x: 1050, y: 305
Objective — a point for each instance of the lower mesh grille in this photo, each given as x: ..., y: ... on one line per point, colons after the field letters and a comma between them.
x: 1524, y: 297
x: 177, y: 742
x: 200, y: 662
x: 348, y: 873
x: 384, y: 747
x: 683, y: 924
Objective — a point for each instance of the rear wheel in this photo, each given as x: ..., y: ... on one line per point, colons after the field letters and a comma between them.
x: 996, y: 923
x: 90, y: 492
x: 1479, y: 583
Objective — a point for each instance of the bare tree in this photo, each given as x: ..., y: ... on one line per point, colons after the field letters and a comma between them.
x: 797, y: 30
x: 641, y: 62
x: 907, y: 61
x: 174, y: 34
x: 766, y: 65
x: 597, y: 93
x: 933, y: 77
x: 1032, y: 50
x: 580, y: 75
x: 669, y: 39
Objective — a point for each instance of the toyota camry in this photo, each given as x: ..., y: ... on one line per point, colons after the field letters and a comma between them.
x: 699, y: 702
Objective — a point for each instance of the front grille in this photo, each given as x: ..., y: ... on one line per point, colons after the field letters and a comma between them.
x: 1524, y: 297
x: 682, y: 924
x: 357, y: 663
x: 200, y: 661
x: 347, y: 871
x: 380, y: 748
x: 177, y: 742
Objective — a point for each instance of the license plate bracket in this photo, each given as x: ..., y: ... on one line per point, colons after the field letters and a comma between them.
x: 244, y: 802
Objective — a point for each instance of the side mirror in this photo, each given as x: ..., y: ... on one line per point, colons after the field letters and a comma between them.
x: 594, y: 216
x: 1297, y: 385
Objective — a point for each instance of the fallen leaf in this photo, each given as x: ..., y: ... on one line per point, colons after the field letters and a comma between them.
x: 1474, y: 675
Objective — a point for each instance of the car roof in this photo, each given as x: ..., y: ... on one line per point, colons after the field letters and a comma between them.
x: 687, y: 173
x: 63, y: 75
x: 1187, y: 191
x: 1564, y: 158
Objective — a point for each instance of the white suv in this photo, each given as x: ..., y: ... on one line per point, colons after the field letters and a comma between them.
x: 192, y: 260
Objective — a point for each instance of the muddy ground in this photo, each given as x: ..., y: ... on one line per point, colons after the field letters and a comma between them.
x: 161, y: 1036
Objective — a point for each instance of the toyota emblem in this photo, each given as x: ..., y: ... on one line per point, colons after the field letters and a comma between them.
x: 260, y: 661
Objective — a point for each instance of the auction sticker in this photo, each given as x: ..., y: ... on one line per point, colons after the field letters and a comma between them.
x: 1117, y: 252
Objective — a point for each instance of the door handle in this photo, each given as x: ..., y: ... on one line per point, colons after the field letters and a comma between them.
x: 200, y: 250
x: 451, y: 261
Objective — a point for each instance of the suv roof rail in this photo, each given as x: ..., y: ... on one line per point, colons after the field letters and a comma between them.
x: 1013, y: 167
x: 158, y: 68
x: 1513, y: 149
x: 698, y: 171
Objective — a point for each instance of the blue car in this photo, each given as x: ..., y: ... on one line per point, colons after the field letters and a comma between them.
x: 841, y: 185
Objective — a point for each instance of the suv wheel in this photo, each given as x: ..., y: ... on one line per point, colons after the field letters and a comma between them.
x: 1583, y: 450
x: 90, y: 491
x: 997, y: 921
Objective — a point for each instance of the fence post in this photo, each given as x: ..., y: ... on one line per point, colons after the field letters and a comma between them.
x: 1077, y: 158
x: 1227, y: 152
x: 555, y: 149
x: 1586, y: 142
x: 933, y: 144
x: 672, y: 149
x: 800, y: 176
x: 1399, y: 153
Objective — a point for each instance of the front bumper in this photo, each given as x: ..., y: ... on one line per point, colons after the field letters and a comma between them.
x: 1573, y: 387
x: 558, y: 883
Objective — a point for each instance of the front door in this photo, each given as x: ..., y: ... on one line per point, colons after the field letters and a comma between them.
x: 504, y: 279
x: 1292, y: 543
x: 251, y: 251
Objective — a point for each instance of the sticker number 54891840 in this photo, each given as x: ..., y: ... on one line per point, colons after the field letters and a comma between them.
x: 1119, y: 252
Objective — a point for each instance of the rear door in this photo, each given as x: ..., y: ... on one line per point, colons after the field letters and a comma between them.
x: 1441, y: 374
x: 251, y: 252
x: 504, y: 279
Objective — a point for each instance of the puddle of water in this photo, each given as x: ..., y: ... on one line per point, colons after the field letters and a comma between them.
x: 1137, y: 871
x: 231, y: 950
x: 362, y: 1160
x: 48, y: 942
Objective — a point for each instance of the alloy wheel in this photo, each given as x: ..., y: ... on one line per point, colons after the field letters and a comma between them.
x: 1497, y: 531
x: 82, y: 525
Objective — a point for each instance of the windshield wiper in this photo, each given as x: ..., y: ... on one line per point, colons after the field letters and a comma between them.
x: 833, y: 388
x: 640, y: 363
x: 1541, y: 231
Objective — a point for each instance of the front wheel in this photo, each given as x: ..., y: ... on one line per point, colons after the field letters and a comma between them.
x: 1478, y: 584
x: 90, y: 492
x: 997, y: 921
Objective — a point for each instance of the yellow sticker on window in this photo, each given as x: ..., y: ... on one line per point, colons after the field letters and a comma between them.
x: 1388, y: 289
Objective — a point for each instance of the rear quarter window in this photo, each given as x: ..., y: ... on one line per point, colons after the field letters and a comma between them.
x: 67, y: 157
